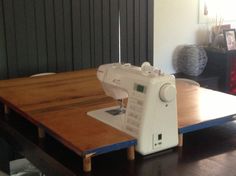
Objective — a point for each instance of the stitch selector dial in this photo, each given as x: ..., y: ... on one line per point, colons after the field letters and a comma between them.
x: 167, y: 92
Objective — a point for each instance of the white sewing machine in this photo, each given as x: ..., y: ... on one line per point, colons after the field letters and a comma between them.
x: 150, y: 115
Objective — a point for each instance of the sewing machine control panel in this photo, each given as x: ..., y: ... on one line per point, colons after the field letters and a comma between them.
x: 134, y: 114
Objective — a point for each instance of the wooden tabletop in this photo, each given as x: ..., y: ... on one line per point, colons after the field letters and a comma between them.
x: 59, y: 104
x: 200, y: 108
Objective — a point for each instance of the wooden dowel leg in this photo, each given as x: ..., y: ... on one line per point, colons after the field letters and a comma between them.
x: 87, y: 163
x: 41, y: 132
x: 131, y: 153
x: 6, y: 109
x: 181, y: 139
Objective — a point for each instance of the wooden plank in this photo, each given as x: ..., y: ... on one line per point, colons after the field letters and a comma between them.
x: 106, y: 31
x: 98, y: 37
x: 31, y: 37
x: 114, y: 26
x: 130, y: 31
x: 21, y: 42
x: 41, y: 35
x: 85, y: 33
x: 10, y: 38
x: 46, y: 90
x: 68, y: 34
x: 51, y: 37
x: 60, y: 35
x: 123, y: 30
x: 77, y: 51
x: 150, y: 31
x: 3, y: 54
x: 143, y: 31
x: 137, y: 32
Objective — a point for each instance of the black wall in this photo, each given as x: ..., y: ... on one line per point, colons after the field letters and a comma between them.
x: 62, y: 35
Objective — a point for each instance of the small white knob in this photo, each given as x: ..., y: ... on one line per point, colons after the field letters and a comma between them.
x: 167, y: 92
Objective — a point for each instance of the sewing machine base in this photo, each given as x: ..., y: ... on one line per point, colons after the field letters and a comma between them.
x: 110, y: 116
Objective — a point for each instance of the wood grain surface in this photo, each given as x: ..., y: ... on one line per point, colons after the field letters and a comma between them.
x: 198, y: 105
x: 59, y: 104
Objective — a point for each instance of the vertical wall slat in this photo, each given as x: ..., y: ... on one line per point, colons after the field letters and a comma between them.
x: 85, y: 33
x: 60, y: 35
x: 68, y: 34
x: 106, y: 31
x: 143, y: 31
x: 21, y: 42
x: 137, y: 32
x: 41, y: 35
x: 150, y: 17
x: 98, y: 35
x: 114, y: 26
x: 123, y: 30
x: 130, y: 31
x: 76, y: 25
x: 31, y: 37
x: 92, y: 44
x: 10, y: 38
x: 3, y: 54
x: 51, y: 36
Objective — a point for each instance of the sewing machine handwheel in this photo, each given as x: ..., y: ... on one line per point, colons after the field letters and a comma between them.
x: 167, y: 92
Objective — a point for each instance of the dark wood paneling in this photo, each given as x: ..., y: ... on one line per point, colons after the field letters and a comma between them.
x: 98, y: 33
x: 21, y: 43
x: 150, y: 16
x: 114, y: 26
x: 130, y: 31
x: 143, y: 31
x: 85, y: 33
x: 31, y: 37
x: 136, y: 32
x: 41, y: 35
x: 63, y: 35
x: 51, y: 36
x: 76, y: 28
x: 123, y: 30
x: 92, y: 44
x: 106, y: 31
x: 60, y: 35
x: 3, y: 54
x: 68, y: 34
x: 10, y: 38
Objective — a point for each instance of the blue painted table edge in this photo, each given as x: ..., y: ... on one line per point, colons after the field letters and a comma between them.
x: 110, y: 148
x: 207, y: 124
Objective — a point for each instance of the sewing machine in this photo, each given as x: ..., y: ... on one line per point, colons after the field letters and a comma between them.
x: 150, y: 114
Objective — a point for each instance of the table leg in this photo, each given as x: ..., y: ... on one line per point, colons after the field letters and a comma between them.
x: 6, y: 109
x: 131, y: 153
x: 41, y: 132
x: 87, y: 163
x: 181, y: 139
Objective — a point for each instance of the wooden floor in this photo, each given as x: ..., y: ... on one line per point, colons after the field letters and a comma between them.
x: 210, y: 152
